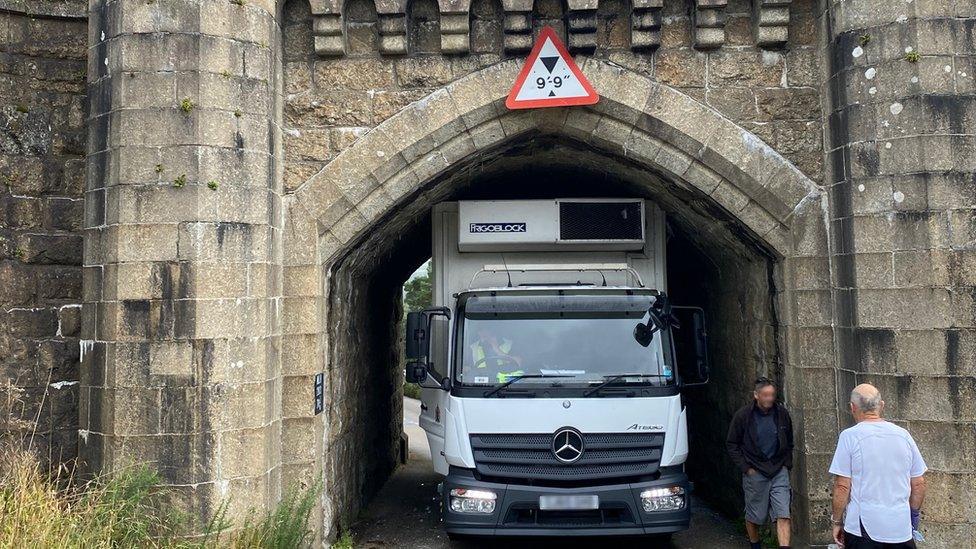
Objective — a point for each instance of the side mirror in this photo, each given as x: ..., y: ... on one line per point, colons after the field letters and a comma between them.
x: 418, y: 337
x: 691, y: 345
x: 418, y: 332
x: 417, y: 346
x: 416, y: 372
x: 643, y: 334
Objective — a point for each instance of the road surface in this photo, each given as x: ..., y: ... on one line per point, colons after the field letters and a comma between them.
x: 406, y: 512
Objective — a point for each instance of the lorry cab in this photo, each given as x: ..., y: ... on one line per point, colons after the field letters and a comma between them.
x: 550, y: 371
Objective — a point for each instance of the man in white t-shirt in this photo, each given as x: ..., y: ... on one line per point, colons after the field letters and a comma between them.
x: 878, y: 478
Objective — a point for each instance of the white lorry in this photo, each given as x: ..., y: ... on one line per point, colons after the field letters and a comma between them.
x: 551, y: 366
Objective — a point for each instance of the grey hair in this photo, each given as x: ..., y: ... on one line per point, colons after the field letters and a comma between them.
x: 866, y: 403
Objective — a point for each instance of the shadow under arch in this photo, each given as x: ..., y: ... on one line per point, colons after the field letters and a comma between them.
x: 354, y: 231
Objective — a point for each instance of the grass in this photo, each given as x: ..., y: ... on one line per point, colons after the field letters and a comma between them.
x: 345, y: 541
x: 767, y: 533
x: 411, y: 390
x: 129, y: 509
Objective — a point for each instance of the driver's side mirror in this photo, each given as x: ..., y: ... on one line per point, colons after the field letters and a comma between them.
x: 418, y: 342
x: 418, y: 336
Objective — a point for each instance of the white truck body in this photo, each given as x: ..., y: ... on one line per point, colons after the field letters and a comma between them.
x: 502, y: 248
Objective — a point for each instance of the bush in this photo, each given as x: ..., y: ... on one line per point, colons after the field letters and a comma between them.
x: 411, y: 390
x: 126, y: 509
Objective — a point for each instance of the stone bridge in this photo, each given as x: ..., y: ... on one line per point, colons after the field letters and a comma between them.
x: 209, y: 202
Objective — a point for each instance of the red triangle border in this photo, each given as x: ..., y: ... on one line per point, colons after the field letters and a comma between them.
x: 591, y: 98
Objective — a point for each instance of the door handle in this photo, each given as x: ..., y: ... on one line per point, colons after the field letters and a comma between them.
x: 423, y: 407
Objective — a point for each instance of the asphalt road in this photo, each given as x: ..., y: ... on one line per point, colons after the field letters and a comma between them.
x: 406, y: 512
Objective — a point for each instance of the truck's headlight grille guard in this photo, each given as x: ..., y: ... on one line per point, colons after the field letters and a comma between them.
x: 529, y: 456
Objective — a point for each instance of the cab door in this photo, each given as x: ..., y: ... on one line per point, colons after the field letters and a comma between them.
x: 434, y: 400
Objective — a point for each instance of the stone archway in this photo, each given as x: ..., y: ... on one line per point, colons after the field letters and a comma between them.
x: 637, y: 120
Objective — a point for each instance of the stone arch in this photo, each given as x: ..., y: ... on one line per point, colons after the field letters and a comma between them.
x: 664, y: 129
x: 385, y: 178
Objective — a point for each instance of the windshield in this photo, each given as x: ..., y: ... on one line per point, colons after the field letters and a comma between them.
x: 581, y: 338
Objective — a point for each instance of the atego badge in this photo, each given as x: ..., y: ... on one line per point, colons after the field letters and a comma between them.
x: 550, y: 78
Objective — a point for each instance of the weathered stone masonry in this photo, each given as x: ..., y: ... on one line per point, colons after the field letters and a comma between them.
x: 258, y: 177
x: 42, y: 148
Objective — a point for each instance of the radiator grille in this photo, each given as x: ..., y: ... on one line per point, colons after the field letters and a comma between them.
x: 600, y: 221
x: 529, y: 456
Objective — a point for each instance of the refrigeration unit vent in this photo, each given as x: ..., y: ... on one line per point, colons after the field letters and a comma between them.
x: 601, y: 220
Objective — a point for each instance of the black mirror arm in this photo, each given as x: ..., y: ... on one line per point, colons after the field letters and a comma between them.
x: 437, y: 311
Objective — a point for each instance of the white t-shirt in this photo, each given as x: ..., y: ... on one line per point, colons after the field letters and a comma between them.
x: 880, y: 458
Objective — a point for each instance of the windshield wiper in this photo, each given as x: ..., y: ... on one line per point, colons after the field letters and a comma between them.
x: 608, y: 380
x: 513, y: 379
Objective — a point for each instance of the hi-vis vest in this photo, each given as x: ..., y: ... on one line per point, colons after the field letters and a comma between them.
x: 479, y: 354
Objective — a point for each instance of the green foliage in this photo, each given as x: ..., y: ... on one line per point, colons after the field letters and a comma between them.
x: 212, y: 185
x: 187, y: 105
x: 913, y: 57
x: 345, y: 541
x: 864, y: 40
x: 767, y: 533
x: 417, y: 292
x: 130, y: 509
x: 125, y: 509
x: 180, y: 181
x: 416, y: 296
x: 284, y: 528
x: 411, y: 390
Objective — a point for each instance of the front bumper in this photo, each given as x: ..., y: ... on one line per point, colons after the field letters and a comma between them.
x: 517, y: 510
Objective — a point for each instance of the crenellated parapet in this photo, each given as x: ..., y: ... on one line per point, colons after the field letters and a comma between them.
x: 327, y: 27
x: 645, y: 24
x: 709, y: 19
x: 771, y: 20
x: 455, y: 26
x: 577, y: 21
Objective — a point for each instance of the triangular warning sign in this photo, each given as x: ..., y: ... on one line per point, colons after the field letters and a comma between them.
x: 550, y: 78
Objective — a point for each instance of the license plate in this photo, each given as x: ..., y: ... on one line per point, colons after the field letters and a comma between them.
x: 569, y: 503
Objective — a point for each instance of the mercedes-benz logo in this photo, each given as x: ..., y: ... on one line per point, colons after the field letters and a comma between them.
x: 567, y: 404
x: 567, y: 445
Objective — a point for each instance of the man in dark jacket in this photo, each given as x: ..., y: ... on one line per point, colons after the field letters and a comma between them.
x: 760, y: 443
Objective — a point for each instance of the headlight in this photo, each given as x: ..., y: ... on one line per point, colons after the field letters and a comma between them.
x: 670, y: 498
x: 472, y: 501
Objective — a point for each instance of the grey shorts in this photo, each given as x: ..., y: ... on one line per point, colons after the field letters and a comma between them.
x: 767, y: 497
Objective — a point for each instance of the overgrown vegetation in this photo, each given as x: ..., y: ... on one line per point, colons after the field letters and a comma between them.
x: 345, y: 541
x: 129, y: 509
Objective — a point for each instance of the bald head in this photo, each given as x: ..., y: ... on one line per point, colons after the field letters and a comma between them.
x: 866, y: 398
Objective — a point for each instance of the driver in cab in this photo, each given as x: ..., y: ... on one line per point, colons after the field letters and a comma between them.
x: 492, y: 355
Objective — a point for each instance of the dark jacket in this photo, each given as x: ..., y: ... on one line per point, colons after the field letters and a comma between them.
x: 744, y: 448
